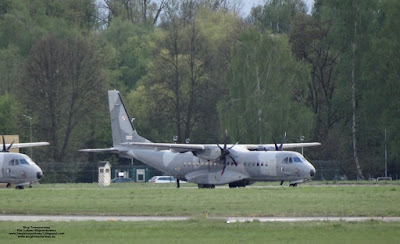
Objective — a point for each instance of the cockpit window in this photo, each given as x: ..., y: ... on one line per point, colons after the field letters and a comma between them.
x: 23, y: 161
x: 293, y: 160
x: 297, y: 160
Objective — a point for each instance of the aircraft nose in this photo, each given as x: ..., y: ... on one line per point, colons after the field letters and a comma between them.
x: 312, y: 172
x: 39, y: 175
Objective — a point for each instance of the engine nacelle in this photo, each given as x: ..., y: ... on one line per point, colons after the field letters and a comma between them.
x: 265, y: 148
x: 209, y: 153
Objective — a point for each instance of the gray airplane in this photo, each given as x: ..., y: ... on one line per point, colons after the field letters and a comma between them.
x: 207, y: 165
x: 18, y: 168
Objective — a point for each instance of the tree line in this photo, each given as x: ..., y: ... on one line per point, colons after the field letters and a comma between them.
x: 195, y: 68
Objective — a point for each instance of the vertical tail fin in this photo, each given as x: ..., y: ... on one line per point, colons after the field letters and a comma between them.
x: 121, y: 125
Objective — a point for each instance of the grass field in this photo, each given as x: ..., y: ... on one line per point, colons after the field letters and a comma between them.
x: 165, y: 200
x: 211, y: 231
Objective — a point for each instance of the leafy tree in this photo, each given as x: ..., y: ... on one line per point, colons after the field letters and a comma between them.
x: 264, y: 82
x: 126, y: 48
x: 184, y: 77
x: 379, y: 102
x: 277, y: 15
x: 7, y: 114
x: 10, y: 66
x: 353, y: 25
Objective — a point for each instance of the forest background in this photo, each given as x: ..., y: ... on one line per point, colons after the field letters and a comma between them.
x: 195, y: 68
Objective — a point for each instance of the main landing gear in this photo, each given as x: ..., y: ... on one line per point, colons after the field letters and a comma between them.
x: 202, y: 186
x: 292, y: 184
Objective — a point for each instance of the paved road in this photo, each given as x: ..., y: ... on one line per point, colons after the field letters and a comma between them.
x: 67, y: 218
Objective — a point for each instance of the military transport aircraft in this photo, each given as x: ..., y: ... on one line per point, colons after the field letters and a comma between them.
x: 18, y: 168
x: 207, y: 165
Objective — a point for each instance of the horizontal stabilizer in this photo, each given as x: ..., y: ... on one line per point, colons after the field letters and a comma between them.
x: 99, y: 150
x: 167, y: 146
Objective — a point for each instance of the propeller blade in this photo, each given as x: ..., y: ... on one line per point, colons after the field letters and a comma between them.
x: 283, y: 141
x: 223, y: 169
x: 225, y: 152
x: 8, y: 148
x: 4, y: 144
x: 234, y: 161
x: 233, y: 145
x: 276, y: 146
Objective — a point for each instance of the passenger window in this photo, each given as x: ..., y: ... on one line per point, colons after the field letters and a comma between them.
x: 258, y: 164
x: 262, y: 164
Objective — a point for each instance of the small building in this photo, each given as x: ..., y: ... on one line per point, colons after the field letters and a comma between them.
x: 138, y: 173
x: 104, y: 174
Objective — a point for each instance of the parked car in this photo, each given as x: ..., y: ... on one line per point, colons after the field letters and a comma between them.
x: 121, y: 180
x: 162, y: 179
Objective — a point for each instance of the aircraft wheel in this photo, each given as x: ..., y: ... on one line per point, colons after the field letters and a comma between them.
x: 19, y: 187
x: 202, y: 186
x: 233, y: 185
x: 294, y: 185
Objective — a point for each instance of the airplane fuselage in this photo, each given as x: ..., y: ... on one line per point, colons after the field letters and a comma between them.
x: 18, y: 169
x: 207, y: 164
x: 251, y: 166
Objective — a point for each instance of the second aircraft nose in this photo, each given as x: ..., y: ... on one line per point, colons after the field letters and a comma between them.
x: 312, y: 172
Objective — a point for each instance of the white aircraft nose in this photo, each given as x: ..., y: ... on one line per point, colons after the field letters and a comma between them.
x: 312, y: 171
x: 39, y: 172
x: 39, y: 175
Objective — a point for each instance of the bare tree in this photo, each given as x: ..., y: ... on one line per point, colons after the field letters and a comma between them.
x: 309, y: 43
x: 64, y: 79
x: 135, y: 11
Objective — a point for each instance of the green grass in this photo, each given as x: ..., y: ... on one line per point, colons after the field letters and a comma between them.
x: 208, y: 231
x: 326, y: 199
x: 166, y: 200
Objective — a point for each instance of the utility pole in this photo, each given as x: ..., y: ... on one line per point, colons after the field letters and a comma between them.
x: 385, y: 156
x: 30, y: 130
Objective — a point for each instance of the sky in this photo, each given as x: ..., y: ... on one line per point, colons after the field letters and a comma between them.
x: 248, y: 4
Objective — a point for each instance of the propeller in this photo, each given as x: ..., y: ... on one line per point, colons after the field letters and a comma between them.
x: 7, y: 149
x: 283, y: 141
x: 226, y: 153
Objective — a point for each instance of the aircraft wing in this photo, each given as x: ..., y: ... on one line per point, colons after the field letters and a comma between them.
x: 202, y: 147
x: 167, y: 146
x: 284, y: 146
x: 27, y: 144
